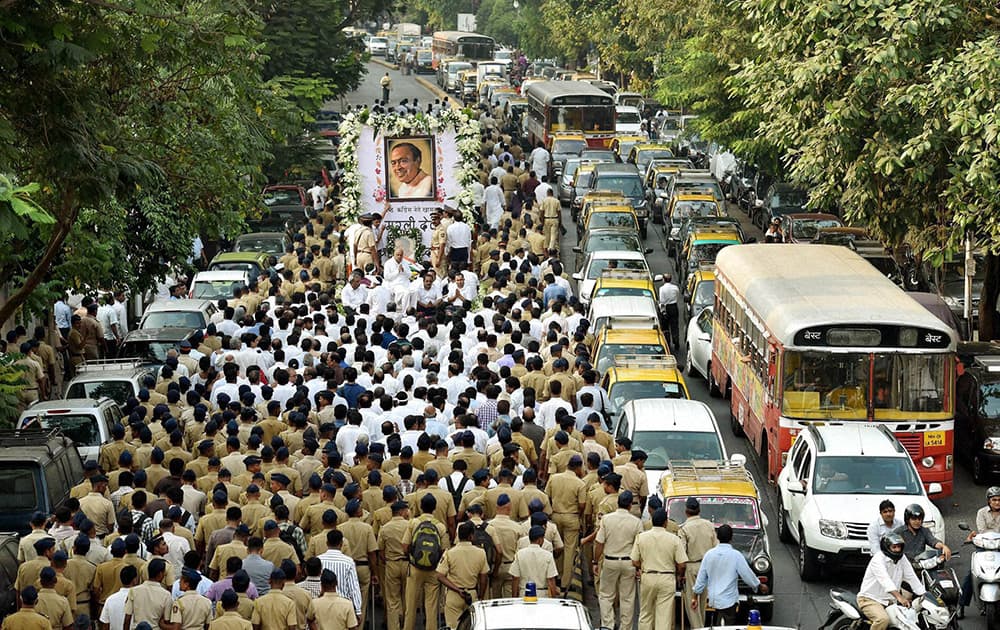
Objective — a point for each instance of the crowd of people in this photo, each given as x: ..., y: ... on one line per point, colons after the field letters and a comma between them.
x: 365, y: 433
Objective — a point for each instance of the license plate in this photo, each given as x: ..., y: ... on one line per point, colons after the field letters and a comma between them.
x: 934, y: 438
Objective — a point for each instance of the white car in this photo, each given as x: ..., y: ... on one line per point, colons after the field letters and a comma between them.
x: 628, y: 120
x: 623, y: 311
x: 214, y: 285
x: 829, y: 492
x: 699, y: 344
x: 672, y: 429
x: 378, y: 46
x: 597, y: 263
x: 178, y: 314
x: 545, y: 613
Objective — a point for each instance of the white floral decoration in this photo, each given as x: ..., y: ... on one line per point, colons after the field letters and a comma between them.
x: 467, y: 137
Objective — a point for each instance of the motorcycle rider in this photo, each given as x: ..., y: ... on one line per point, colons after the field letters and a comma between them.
x: 916, y: 537
x: 882, y: 584
x: 987, y: 520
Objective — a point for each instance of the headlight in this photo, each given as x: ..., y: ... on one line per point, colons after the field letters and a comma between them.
x: 927, y: 462
x: 987, y: 542
x: 674, y: 231
x: 761, y: 564
x: 833, y: 529
x: 991, y: 444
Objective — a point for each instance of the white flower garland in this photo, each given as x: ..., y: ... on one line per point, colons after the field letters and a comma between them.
x: 467, y: 137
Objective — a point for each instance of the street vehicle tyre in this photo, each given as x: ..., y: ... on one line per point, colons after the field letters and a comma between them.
x: 808, y: 562
x: 734, y: 424
x: 688, y: 367
x: 713, y: 387
x: 992, y: 615
x: 979, y: 475
x: 784, y: 531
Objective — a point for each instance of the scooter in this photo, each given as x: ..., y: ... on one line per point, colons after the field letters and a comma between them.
x: 940, y: 582
x: 986, y: 574
x: 927, y: 612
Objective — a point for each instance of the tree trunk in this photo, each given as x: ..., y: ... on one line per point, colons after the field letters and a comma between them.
x: 60, y: 231
x: 988, y: 298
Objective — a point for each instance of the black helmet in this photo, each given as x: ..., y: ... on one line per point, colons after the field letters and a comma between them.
x: 888, y: 540
x: 913, y: 511
x: 992, y: 491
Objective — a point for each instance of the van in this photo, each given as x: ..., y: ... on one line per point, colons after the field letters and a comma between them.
x: 37, y: 471
x: 191, y: 313
x: 117, y: 379
x: 86, y: 421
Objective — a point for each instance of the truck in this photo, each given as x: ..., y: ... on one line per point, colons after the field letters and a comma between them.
x: 408, y: 32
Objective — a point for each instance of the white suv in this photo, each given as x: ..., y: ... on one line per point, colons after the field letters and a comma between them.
x: 830, y: 489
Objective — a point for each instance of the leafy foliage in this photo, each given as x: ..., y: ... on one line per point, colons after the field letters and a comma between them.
x: 11, y: 382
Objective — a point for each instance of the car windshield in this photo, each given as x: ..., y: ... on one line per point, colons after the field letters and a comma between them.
x: 215, y: 289
x: 599, y: 155
x: 700, y: 188
x: 566, y: 146
x: 663, y: 446
x: 252, y: 269
x: 625, y: 146
x: 19, y: 487
x: 152, y: 351
x: 624, y: 291
x: 118, y: 391
x: 865, y: 474
x: 838, y: 383
x: 282, y: 197
x: 582, y: 179
x: 648, y: 155
x: 629, y: 118
x: 704, y: 293
x: 608, y: 352
x: 624, y: 391
x: 627, y: 185
x: 806, y: 229
x: 788, y: 199
x: 569, y: 169
x: 989, y: 400
x: 617, y: 241
x: 684, y: 209
x: 737, y: 512
x: 598, y: 265
x: 81, y: 428
x: 706, y: 252
x: 171, y: 319
x: 612, y: 220
x: 265, y: 244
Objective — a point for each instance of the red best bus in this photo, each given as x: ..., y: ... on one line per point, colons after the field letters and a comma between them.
x: 569, y: 106
x: 814, y: 333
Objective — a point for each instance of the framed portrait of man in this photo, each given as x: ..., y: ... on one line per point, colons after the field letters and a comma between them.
x: 410, y: 164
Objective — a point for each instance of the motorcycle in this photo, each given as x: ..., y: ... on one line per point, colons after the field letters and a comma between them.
x: 986, y: 574
x: 934, y: 610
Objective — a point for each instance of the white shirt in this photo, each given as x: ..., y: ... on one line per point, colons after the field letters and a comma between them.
x: 354, y: 297
x: 176, y: 548
x: 458, y: 235
x: 318, y: 194
x: 396, y: 273
x: 121, y: 310
x: 541, y: 192
x: 540, y: 161
x: 113, y: 612
x: 108, y: 317
x: 884, y: 576
x: 547, y: 412
x: 478, y: 193
x: 456, y: 477
x: 494, y: 204
x: 877, y: 529
x: 669, y: 294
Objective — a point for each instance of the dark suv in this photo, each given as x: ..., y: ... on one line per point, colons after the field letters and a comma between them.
x: 977, y: 410
x: 624, y: 179
x: 38, y: 468
x: 781, y: 199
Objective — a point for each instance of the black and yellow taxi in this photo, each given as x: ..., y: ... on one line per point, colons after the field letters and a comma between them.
x: 631, y: 376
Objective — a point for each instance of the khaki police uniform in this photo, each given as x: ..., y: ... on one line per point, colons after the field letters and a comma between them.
x: 149, y: 602
x: 231, y: 620
x: 276, y: 550
x: 617, y: 532
x: 505, y: 534
x: 518, y: 506
x: 27, y: 573
x: 462, y: 564
x: 100, y: 511
x: 332, y: 611
x: 301, y: 598
x: 107, y: 579
x: 55, y: 608
x: 81, y: 572
x: 698, y: 536
x: 635, y: 481
x: 244, y: 606
x: 26, y: 619
x: 658, y: 552
x: 567, y: 493
x: 420, y: 581
x: 192, y: 611
x: 362, y: 539
x: 274, y: 611
x: 550, y: 212
x: 534, y: 564
x: 390, y: 546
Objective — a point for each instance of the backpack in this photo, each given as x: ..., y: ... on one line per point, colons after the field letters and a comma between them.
x: 484, y: 541
x: 456, y: 493
x: 426, y: 548
x: 287, y: 534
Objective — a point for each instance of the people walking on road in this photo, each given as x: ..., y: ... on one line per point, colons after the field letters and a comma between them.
x: 698, y: 536
x: 386, y: 83
x: 721, y: 569
x: 669, y: 297
x: 612, y: 564
x: 659, y: 556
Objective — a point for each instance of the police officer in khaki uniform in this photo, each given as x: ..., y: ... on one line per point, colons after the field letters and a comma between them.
x: 568, y: 495
x: 634, y: 479
x: 616, y: 535
x: 462, y: 571
x: 659, y: 555
x: 698, y: 536
x: 275, y: 610
x: 191, y: 610
x: 550, y: 212
x: 393, y: 558
x: 149, y: 601
x: 363, y: 547
x: 505, y: 534
x: 422, y: 581
x: 231, y: 618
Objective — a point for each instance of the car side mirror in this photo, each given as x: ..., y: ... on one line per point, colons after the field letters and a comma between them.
x: 578, y: 276
x: 737, y: 459
x: 648, y: 250
x: 658, y: 277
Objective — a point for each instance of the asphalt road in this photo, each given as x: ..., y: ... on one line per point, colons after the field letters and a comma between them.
x: 799, y: 605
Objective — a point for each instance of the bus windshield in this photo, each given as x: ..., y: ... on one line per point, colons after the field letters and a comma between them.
x: 839, y: 384
x: 585, y: 118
